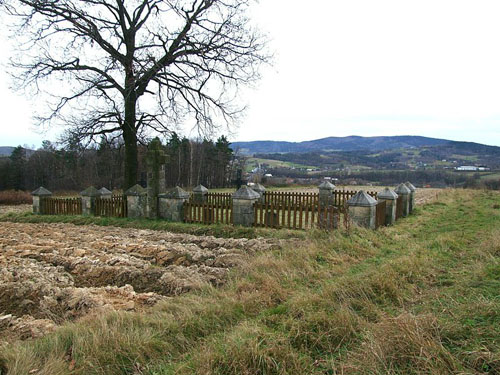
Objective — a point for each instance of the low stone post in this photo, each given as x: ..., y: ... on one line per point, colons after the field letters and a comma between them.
x: 403, y: 191
x: 105, y: 193
x: 413, y: 189
x: 155, y: 160
x: 390, y: 197
x: 89, y: 196
x: 243, y: 210
x: 38, y: 195
x: 136, y: 201
x: 326, y: 193
x: 261, y: 190
x: 200, y: 194
x: 171, y: 204
x: 362, y: 209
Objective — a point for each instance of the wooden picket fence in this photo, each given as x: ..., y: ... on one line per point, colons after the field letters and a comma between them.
x: 290, y: 198
x: 399, y: 207
x: 208, y: 213
x: 219, y: 198
x: 116, y: 206
x: 296, y: 216
x: 61, y: 206
x: 380, y: 214
x: 340, y: 197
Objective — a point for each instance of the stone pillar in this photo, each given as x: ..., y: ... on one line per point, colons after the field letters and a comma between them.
x: 105, y: 193
x: 136, y: 201
x: 261, y: 190
x: 413, y: 189
x: 326, y: 193
x: 155, y: 160
x: 362, y: 209
x: 243, y: 210
x: 200, y: 194
x: 89, y: 196
x: 390, y: 197
x: 403, y: 191
x: 38, y: 195
x: 171, y: 204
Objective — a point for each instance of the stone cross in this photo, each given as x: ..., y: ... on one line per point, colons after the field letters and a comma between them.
x: 155, y: 160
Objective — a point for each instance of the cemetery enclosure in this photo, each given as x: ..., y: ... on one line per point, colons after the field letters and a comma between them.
x: 272, y: 209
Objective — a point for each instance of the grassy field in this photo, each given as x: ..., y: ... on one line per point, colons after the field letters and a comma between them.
x: 421, y: 297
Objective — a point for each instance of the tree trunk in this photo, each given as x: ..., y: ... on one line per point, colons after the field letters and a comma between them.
x: 130, y: 140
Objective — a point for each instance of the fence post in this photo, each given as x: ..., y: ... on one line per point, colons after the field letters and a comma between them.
x: 200, y: 194
x: 136, y: 201
x: 326, y: 194
x: 390, y: 197
x: 362, y: 209
x: 38, y: 195
x: 243, y: 209
x: 104, y: 193
x: 413, y: 189
x: 261, y: 190
x: 404, y: 192
x: 171, y: 204
x: 89, y: 196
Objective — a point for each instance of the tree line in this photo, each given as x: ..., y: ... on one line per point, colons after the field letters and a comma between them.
x: 75, y: 167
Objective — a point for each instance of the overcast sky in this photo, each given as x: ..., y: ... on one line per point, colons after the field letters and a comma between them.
x: 357, y: 67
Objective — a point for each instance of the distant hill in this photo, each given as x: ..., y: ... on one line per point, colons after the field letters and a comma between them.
x: 6, y: 150
x: 351, y: 143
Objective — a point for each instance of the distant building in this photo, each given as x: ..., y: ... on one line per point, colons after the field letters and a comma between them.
x: 471, y: 168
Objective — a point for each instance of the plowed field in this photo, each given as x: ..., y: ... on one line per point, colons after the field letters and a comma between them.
x: 51, y: 273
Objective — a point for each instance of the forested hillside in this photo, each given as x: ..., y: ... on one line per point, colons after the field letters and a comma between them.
x: 74, y: 167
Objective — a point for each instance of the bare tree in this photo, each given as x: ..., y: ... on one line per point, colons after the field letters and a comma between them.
x: 131, y: 67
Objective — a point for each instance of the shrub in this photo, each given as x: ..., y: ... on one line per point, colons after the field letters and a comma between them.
x: 15, y: 197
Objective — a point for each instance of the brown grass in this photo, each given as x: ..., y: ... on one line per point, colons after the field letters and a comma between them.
x: 11, y: 197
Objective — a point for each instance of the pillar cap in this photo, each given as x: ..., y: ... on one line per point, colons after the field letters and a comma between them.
x: 104, y: 191
x: 325, y: 185
x: 388, y: 194
x: 258, y: 188
x: 175, y: 193
x: 402, y: 189
x: 410, y: 186
x: 41, y: 192
x: 136, y: 190
x: 200, y: 189
x: 246, y: 193
x: 90, y: 192
x: 362, y: 199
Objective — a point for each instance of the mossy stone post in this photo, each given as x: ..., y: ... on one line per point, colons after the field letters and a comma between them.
x: 171, y: 204
x: 390, y: 197
x: 89, y: 196
x: 362, y: 209
x: 38, y: 195
x: 200, y: 194
x: 326, y: 190
x: 155, y: 160
x: 243, y: 210
x: 326, y: 199
x: 136, y: 201
x: 403, y: 191
x: 261, y: 190
x: 413, y: 189
x: 105, y: 193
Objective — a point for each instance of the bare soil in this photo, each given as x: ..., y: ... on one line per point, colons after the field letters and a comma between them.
x: 51, y: 273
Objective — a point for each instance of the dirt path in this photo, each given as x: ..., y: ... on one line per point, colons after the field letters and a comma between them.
x: 50, y: 273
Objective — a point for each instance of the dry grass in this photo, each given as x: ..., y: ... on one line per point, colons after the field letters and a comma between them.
x: 14, y: 197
